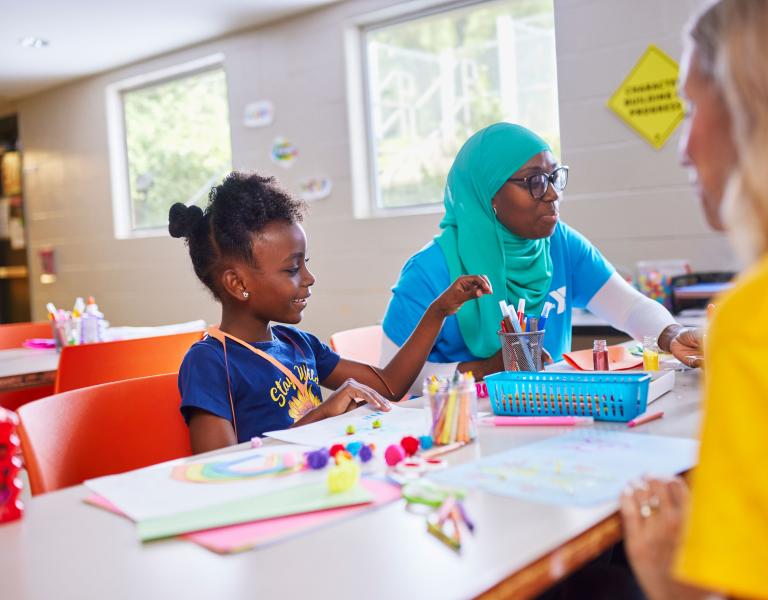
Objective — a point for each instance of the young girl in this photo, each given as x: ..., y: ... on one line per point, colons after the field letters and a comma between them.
x: 249, y: 376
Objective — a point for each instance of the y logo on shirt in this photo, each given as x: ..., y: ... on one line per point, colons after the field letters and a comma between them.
x: 559, y: 297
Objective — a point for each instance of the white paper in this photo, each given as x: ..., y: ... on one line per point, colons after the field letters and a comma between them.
x: 128, y: 333
x: 258, y: 114
x: 395, y: 425
x: 151, y: 492
x: 16, y: 233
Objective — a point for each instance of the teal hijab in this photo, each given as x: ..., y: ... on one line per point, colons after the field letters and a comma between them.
x: 476, y: 243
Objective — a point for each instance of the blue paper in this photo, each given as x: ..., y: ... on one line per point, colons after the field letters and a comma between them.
x: 581, y: 468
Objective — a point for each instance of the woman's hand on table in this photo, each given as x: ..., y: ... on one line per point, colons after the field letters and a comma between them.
x: 685, y: 343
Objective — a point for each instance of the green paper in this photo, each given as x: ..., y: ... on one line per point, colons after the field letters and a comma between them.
x: 291, y: 501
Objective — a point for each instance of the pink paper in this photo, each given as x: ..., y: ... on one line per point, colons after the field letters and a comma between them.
x: 245, y: 536
x: 39, y: 343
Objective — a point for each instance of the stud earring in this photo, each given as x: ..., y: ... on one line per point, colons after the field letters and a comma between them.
x: 246, y: 294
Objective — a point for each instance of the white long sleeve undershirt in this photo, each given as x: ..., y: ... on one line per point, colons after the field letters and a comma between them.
x: 617, y: 302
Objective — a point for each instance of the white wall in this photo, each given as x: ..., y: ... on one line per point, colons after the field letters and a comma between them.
x: 631, y: 200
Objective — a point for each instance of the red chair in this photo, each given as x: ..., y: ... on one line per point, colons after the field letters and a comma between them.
x: 362, y: 344
x: 12, y: 335
x: 101, y: 430
x: 91, y: 364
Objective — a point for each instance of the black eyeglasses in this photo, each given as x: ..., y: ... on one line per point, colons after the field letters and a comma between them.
x: 538, y: 184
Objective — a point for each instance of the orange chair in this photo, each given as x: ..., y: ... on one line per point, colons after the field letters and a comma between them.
x: 362, y: 344
x: 91, y: 364
x: 12, y: 335
x: 101, y: 430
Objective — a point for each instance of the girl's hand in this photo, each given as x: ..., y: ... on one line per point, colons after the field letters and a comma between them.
x: 349, y: 396
x: 466, y: 287
x: 652, y: 513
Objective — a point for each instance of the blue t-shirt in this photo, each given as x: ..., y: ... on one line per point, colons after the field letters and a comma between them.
x: 579, y: 271
x: 263, y: 397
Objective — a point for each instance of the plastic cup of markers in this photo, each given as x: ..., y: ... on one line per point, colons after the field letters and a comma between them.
x: 453, y: 414
x: 521, y: 351
x: 62, y: 332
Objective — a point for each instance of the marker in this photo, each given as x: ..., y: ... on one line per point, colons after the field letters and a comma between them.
x: 52, y: 312
x: 521, y: 311
x: 643, y: 419
x: 533, y: 324
x: 537, y: 421
x: 545, y: 315
x: 506, y: 317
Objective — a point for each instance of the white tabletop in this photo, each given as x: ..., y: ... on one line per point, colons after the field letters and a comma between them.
x: 63, y: 548
x: 26, y: 367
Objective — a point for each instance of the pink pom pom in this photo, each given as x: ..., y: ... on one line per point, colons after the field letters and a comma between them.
x: 394, y: 454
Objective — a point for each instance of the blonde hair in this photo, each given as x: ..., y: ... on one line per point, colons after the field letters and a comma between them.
x: 731, y: 41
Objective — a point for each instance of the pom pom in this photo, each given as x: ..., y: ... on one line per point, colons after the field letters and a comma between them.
x: 256, y: 442
x: 343, y: 477
x: 317, y: 459
x: 182, y: 220
x: 366, y: 453
x: 350, y: 429
x: 342, y: 456
x: 410, y: 444
x: 426, y: 442
x: 354, y: 448
x: 376, y: 424
x: 394, y: 454
x: 335, y: 449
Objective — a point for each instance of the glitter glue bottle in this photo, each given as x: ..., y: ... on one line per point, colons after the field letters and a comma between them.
x: 600, y: 355
x: 650, y: 354
x: 11, y: 507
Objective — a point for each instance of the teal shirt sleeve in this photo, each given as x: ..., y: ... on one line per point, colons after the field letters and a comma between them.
x: 423, y: 278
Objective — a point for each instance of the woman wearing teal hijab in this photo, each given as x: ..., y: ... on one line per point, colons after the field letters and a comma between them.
x: 501, y: 219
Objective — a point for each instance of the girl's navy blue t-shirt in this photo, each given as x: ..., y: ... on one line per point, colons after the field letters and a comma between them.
x: 264, y: 398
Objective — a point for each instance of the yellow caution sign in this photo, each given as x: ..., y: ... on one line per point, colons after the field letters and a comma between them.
x: 647, y: 99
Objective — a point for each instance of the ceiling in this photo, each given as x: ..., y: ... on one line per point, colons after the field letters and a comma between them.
x: 89, y: 36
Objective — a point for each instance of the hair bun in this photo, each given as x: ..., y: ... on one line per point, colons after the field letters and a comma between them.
x: 182, y: 219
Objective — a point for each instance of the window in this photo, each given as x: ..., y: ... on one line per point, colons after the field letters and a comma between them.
x: 433, y: 79
x: 174, y: 144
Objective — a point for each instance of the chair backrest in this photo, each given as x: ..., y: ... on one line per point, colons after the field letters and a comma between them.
x: 91, y: 364
x: 362, y: 344
x: 100, y: 430
x: 12, y: 335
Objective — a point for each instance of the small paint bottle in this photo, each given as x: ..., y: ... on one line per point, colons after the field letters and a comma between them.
x: 600, y: 355
x: 650, y: 354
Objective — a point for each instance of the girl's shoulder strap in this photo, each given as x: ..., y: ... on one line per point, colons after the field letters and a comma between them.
x: 222, y: 336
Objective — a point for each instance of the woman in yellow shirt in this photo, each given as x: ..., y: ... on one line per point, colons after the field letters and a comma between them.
x: 715, y: 542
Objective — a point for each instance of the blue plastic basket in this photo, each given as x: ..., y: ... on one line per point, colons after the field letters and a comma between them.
x: 604, y: 396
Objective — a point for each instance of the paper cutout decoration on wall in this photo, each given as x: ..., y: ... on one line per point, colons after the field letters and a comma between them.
x: 315, y: 188
x: 647, y: 99
x: 259, y: 114
x: 283, y: 152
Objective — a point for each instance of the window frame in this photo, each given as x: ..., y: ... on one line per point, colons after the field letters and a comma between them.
x: 122, y: 209
x: 362, y: 154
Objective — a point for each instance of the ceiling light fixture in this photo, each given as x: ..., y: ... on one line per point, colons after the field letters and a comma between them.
x: 33, y: 42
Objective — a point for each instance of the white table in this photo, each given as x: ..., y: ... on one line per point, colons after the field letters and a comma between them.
x: 64, y: 549
x: 585, y: 319
x: 27, y: 367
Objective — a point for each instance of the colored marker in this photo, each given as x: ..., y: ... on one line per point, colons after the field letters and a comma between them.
x: 505, y: 316
x: 533, y: 324
x: 643, y: 419
x: 545, y: 315
x: 521, y: 311
x: 537, y: 421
